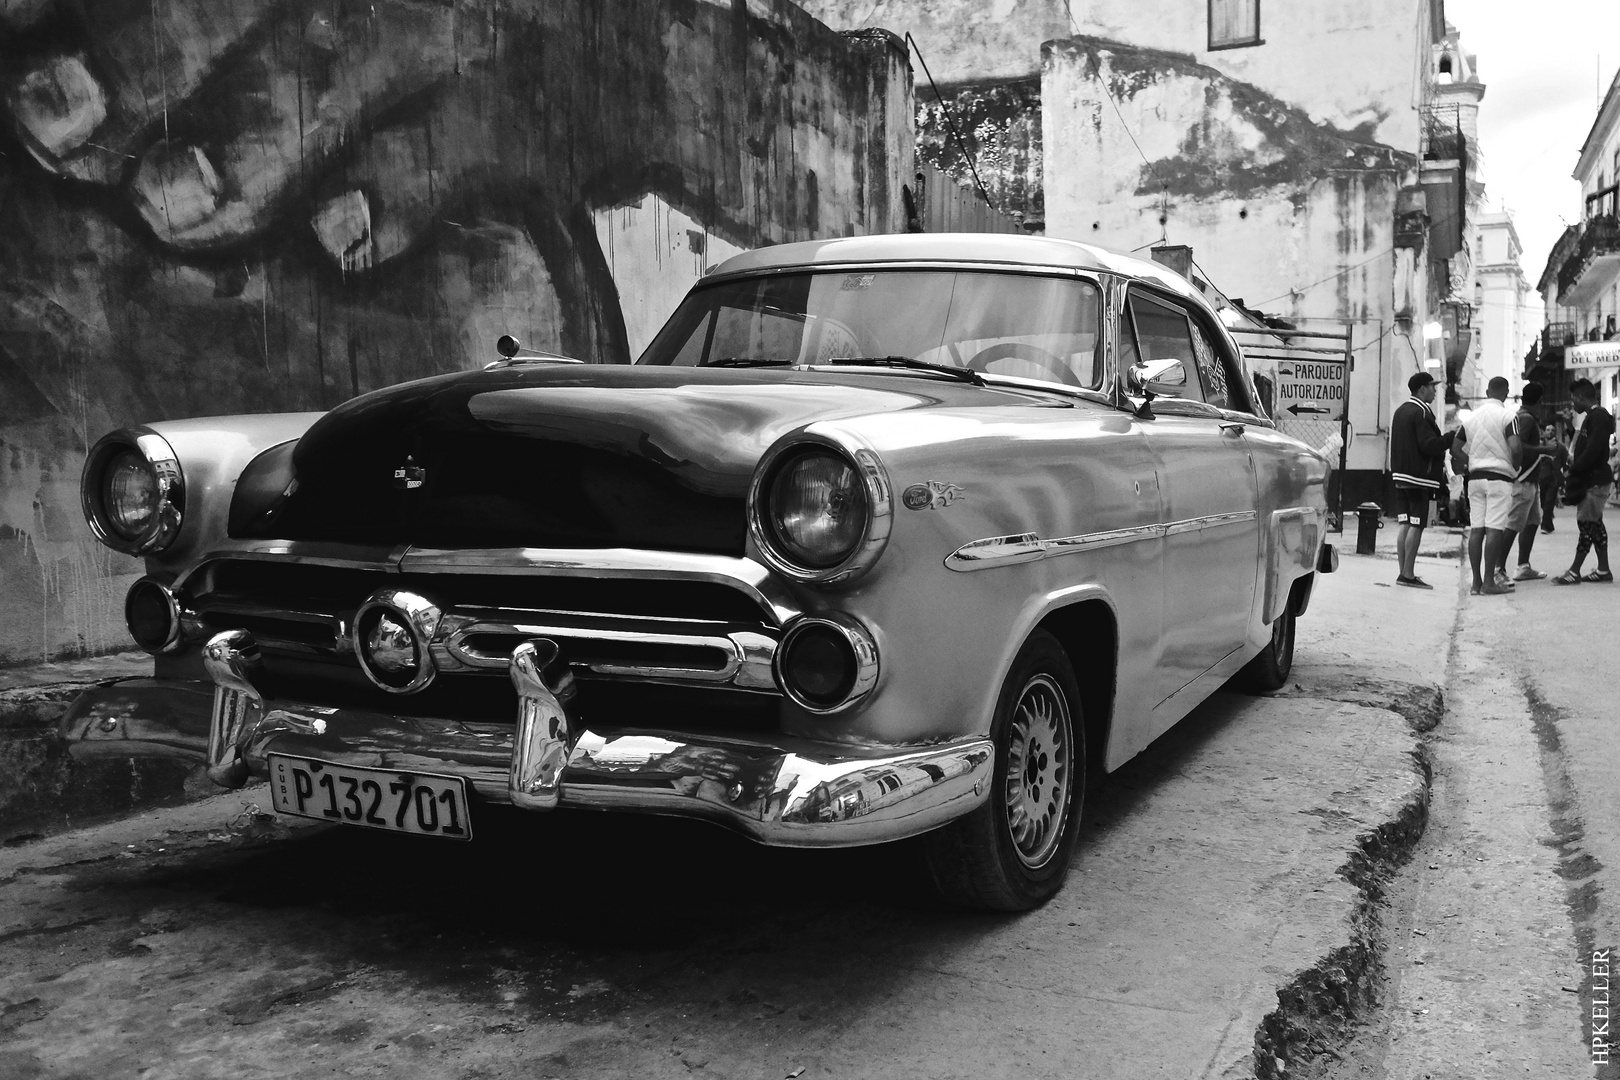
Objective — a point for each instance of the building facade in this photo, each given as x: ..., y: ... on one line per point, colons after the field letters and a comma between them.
x: 1581, y: 283
x: 1507, y: 311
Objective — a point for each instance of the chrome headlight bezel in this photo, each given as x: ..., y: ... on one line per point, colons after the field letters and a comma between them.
x: 168, y: 480
x: 874, y: 486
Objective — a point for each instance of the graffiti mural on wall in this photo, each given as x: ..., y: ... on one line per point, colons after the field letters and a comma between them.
x: 269, y: 205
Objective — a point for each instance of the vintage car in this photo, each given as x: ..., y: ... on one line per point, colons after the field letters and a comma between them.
x: 882, y: 538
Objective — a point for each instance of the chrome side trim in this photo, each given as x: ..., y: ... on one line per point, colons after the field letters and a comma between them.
x: 1209, y: 521
x: 1010, y: 550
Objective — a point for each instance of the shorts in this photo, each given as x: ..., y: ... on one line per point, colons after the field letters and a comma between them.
x: 1525, y: 509
x: 1490, y: 503
x: 1412, y: 505
x: 1591, y: 507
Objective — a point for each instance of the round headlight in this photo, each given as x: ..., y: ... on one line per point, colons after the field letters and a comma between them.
x: 130, y: 494
x: 133, y: 491
x: 816, y: 509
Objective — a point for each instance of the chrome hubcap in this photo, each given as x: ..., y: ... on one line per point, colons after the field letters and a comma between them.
x: 1039, y: 770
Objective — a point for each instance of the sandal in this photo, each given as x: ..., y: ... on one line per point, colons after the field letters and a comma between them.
x: 1599, y: 576
x: 1568, y: 577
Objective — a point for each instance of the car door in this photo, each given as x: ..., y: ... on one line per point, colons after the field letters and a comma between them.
x: 1208, y: 490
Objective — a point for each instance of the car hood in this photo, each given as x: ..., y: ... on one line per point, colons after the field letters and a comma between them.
x: 570, y: 456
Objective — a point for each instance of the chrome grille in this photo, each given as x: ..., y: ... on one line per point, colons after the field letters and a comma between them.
x: 695, y: 632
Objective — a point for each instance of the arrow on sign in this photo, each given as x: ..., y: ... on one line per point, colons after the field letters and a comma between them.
x: 1297, y: 409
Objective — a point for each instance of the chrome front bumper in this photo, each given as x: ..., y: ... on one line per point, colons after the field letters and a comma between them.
x: 784, y: 792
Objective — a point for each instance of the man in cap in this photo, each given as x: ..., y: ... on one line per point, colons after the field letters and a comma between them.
x: 1417, y: 453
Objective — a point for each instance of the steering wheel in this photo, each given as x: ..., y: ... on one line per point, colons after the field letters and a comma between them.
x: 1017, y: 350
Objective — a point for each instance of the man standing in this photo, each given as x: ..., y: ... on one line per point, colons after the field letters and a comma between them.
x: 1552, y: 445
x: 1416, y: 456
x: 1589, y: 471
x: 1493, y: 449
x: 1535, y: 461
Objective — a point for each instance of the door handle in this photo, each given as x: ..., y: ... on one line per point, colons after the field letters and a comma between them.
x: 1232, y: 427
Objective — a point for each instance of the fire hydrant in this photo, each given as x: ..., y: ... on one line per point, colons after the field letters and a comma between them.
x: 1369, y: 520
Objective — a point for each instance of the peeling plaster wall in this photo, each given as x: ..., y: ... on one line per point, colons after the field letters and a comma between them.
x: 1355, y: 66
x: 963, y: 41
x: 275, y: 205
x: 1268, y: 199
x: 999, y: 124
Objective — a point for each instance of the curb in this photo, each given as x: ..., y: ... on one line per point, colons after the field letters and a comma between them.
x: 1319, y: 1008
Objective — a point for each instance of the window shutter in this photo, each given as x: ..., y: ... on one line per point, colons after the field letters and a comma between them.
x: 1233, y: 22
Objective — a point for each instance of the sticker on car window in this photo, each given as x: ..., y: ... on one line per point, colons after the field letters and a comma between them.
x: 856, y: 282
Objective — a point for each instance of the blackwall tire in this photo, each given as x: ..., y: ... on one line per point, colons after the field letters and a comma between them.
x: 1013, y: 852
x: 1270, y: 669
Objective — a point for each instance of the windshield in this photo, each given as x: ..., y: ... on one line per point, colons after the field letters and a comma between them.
x: 1022, y: 325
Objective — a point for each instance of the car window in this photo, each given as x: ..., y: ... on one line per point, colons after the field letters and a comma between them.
x: 1165, y: 362
x: 1028, y: 326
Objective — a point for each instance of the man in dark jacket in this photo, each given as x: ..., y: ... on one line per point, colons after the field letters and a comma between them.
x: 1589, y: 473
x: 1417, y: 452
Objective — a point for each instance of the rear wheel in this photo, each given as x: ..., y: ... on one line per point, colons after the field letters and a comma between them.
x: 1269, y: 670
x: 1012, y: 853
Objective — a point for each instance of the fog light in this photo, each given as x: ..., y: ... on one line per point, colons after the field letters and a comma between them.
x: 826, y: 663
x: 153, y: 616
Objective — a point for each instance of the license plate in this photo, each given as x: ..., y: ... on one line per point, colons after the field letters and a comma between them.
x: 384, y: 799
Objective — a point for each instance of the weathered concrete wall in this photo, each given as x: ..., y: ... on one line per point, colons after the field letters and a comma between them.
x: 268, y: 205
x: 1266, y: 196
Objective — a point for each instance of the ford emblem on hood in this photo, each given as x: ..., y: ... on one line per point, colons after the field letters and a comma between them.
x: 409, y: 476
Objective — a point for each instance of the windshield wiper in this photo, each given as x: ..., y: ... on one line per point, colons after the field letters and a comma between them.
x: 959, y: 374
x: 745, y: 361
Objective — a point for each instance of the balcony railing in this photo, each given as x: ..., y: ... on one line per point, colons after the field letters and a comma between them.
x: 1557, y: 335
x: 1600, y: 236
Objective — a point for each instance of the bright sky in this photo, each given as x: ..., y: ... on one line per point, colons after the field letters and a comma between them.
x: 1545, y: 68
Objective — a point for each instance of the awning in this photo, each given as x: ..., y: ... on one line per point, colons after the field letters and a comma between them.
x: 1592, y: 354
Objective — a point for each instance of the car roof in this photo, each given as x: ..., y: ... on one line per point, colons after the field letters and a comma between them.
x: 1007, y: 250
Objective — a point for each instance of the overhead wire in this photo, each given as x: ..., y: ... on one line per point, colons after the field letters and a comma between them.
x: 950, y: 122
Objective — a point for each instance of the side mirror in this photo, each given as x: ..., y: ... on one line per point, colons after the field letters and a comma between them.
x: 1136, y: 380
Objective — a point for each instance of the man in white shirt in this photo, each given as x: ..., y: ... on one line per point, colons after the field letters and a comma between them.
x: 1493, y: 449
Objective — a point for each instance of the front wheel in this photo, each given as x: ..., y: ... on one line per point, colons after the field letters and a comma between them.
x: 1269, y: 670
x: 1012, y: 853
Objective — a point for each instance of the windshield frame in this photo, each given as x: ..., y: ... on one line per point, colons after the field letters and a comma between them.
x: 1103, y: 392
